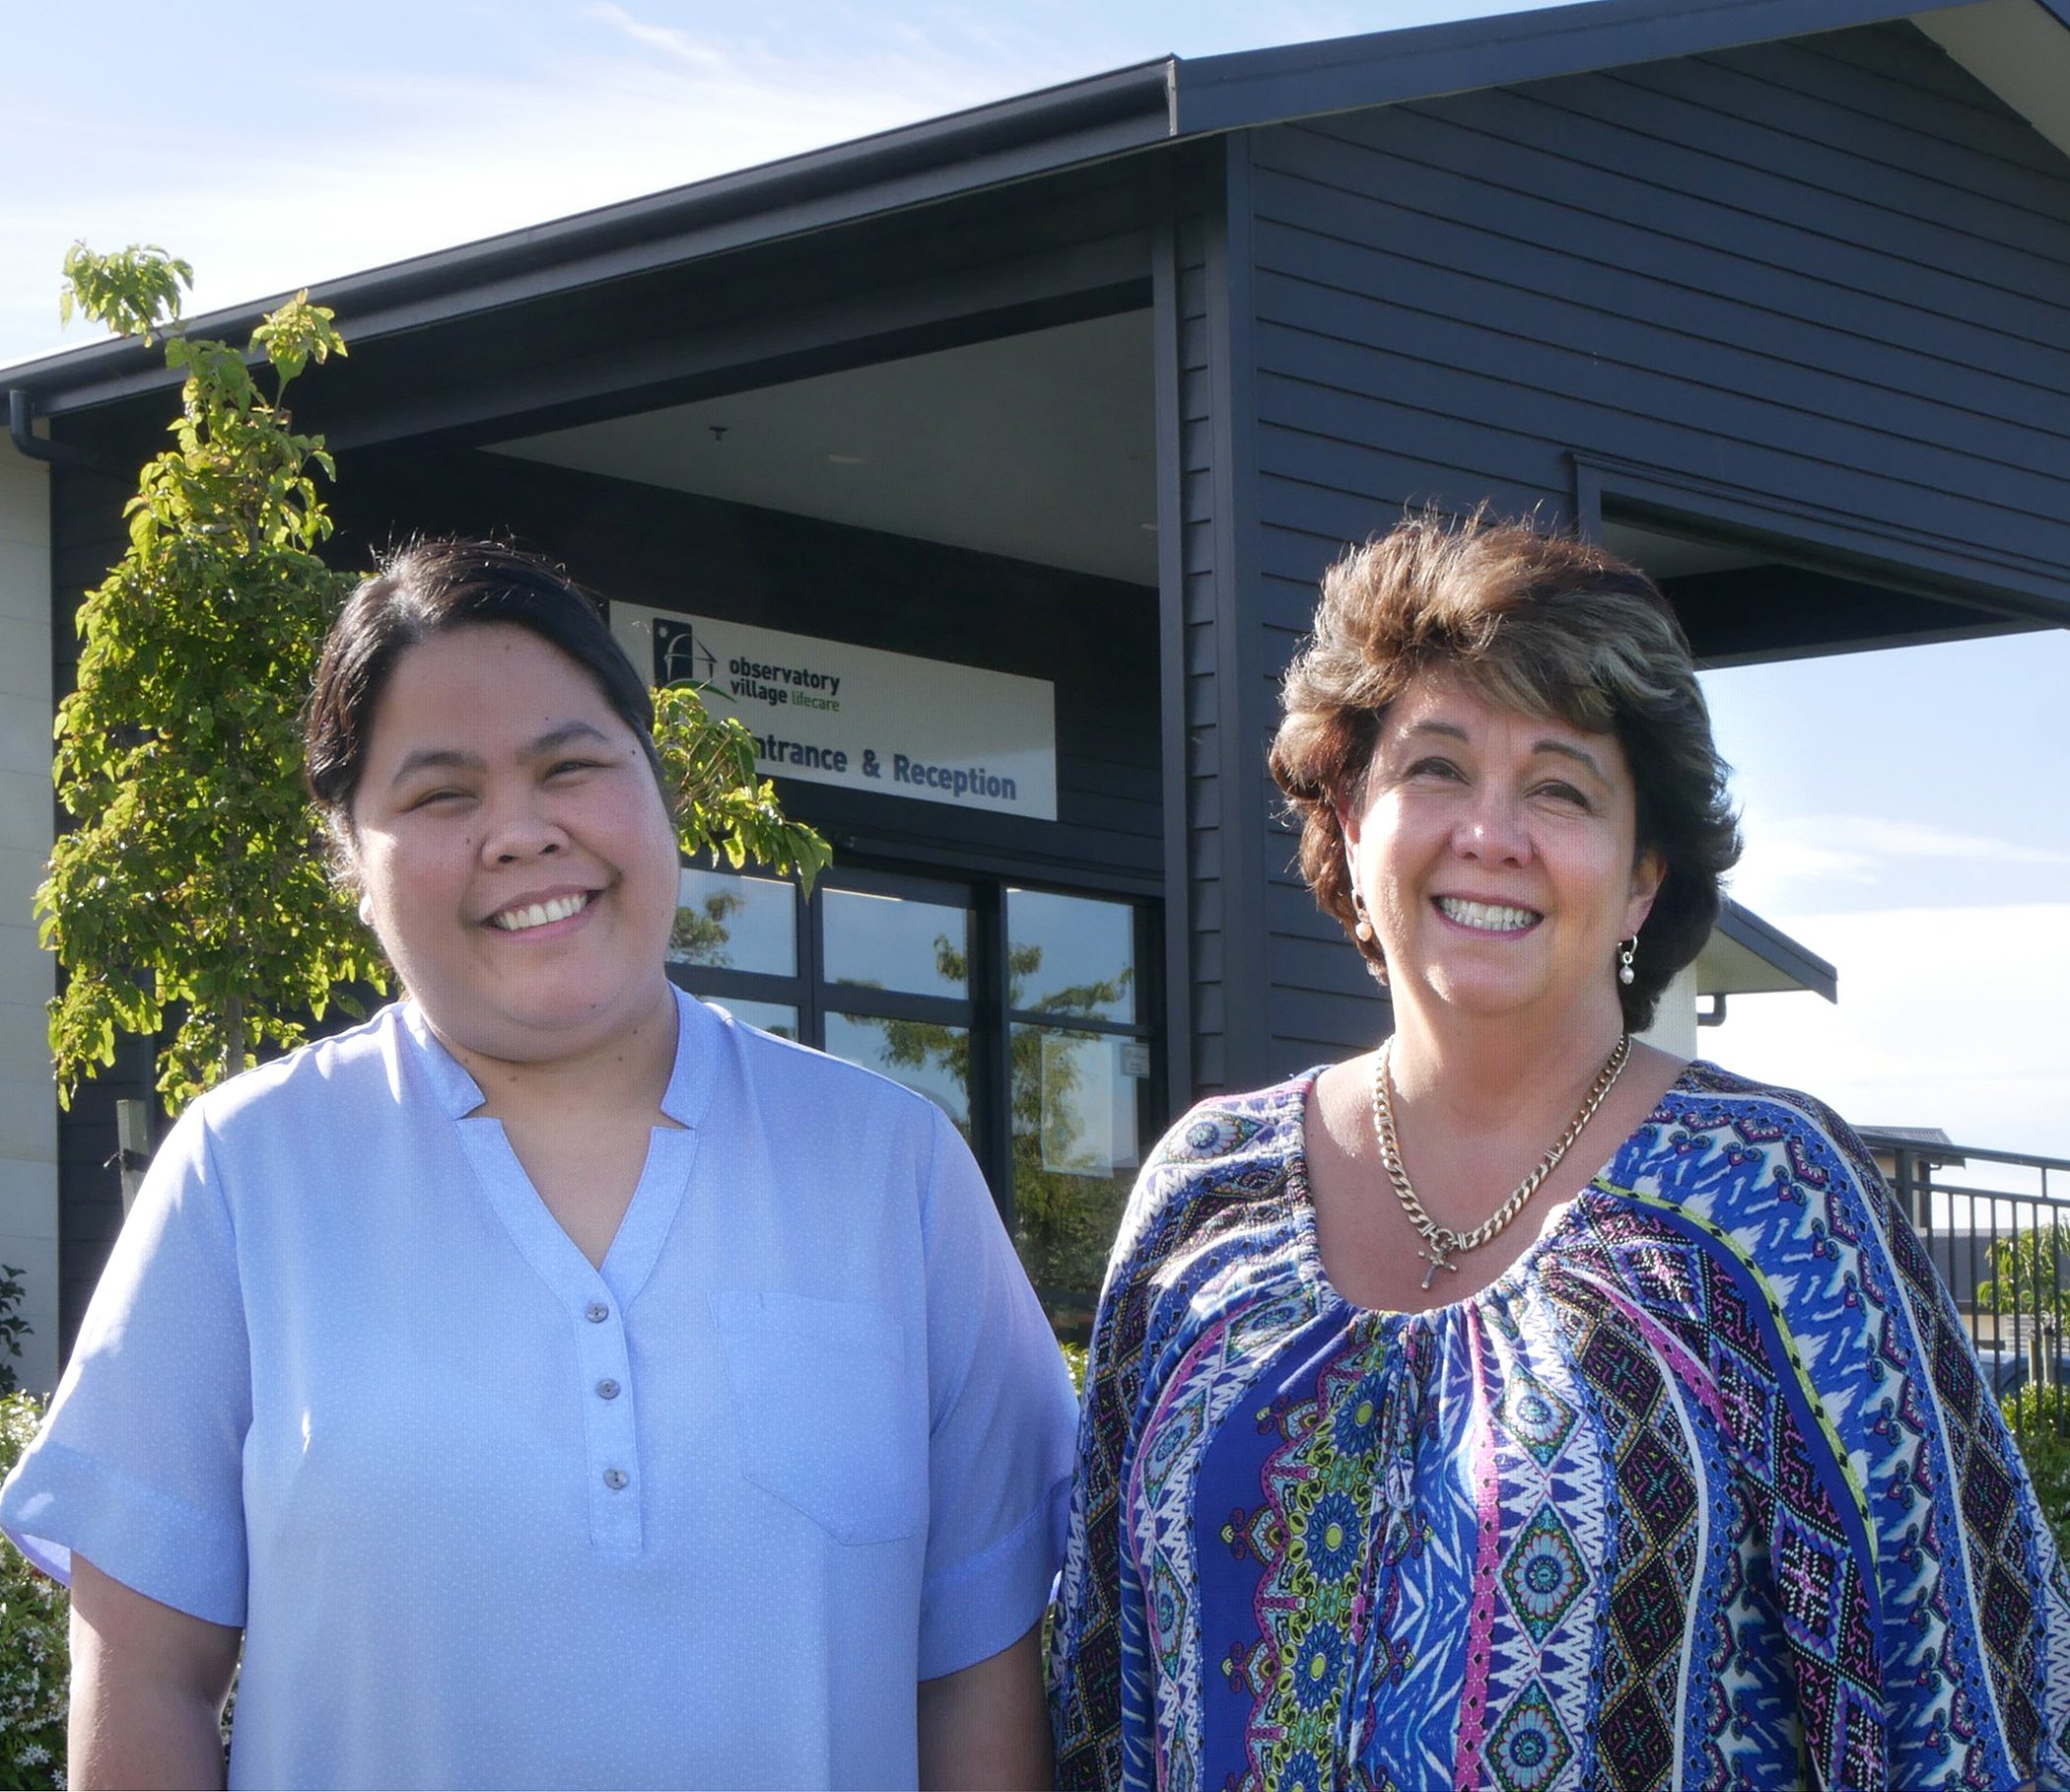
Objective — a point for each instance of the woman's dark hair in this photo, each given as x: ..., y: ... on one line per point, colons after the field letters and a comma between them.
x: 1533, y: 621
x: 421, y: 591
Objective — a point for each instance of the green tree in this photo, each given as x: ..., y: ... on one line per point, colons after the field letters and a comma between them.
x: 1063, y: 1220
x: 192, y: 887
x: 723, y: 807
x: 2030, y: 1272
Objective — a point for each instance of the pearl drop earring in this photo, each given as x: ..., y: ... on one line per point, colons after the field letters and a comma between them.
x: 1362, y: 926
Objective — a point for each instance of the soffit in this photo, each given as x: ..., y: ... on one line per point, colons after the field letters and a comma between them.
x: 1040, y: 447
x: 2018, y: 49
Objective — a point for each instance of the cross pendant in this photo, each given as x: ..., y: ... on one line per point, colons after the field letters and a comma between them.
x: 1438, y: 1256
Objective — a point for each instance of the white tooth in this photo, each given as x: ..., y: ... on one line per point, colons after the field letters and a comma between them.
x: 1496, y: 917
x: 538, y: 914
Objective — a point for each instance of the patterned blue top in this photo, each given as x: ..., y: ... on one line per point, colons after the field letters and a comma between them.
x: 1704, y: 1491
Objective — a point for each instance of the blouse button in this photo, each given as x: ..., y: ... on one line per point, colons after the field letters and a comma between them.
x: 596, y: 1312
x: 607, y: 1389
x: 615, y: 1478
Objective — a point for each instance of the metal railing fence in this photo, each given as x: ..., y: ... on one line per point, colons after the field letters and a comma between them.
x: 1996, y: 1226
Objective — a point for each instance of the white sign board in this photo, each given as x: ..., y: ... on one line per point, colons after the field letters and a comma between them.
x: 858, y: 716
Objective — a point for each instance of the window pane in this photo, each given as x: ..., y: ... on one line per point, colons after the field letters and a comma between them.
x: 735, y: 923
x: 929, y: 1059
x: 885, y: 942
x: 1075, y: 1149
x: 778, y: 1018
x: 1071, y: 955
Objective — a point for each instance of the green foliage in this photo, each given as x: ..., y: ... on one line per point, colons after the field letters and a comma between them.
x: 34, y: 1660
x: 724, y: 807
x: 135, y: 291
x: 1063, y: 1222
x: 13, y: 1327
x: 1075, y: 1361
x: 2030, y: 1272
x: 2039, y: 1418
x: 193, y: 882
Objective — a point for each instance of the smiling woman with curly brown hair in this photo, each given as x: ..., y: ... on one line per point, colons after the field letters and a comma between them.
x: 1516, y: 1405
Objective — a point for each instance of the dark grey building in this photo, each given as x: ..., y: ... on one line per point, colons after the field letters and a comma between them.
x: 1084, y: 389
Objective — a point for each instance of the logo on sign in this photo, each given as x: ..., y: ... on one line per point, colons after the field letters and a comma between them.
x: 678, y: 660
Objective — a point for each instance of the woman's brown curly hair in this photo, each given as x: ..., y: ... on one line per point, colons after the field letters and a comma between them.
x: 1537, y: 622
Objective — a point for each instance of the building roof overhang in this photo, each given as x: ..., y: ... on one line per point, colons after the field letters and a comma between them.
x: 1747, y: 955
x: 2020, y: 47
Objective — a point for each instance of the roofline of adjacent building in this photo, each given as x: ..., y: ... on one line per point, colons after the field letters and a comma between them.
x: 1073, y: 124
x: 1772, y: 945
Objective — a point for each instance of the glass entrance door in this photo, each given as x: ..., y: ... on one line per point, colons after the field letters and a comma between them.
x: 1022, y: 1013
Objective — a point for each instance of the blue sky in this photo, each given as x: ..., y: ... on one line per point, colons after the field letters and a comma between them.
x: 1907, y: 813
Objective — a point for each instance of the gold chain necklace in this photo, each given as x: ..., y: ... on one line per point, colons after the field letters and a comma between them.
x: 1441, y: 1242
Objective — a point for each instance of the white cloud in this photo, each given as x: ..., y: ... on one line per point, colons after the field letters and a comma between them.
x: 1791, y: 858
x: 663, y: 37
x: 1950, y: 1017
x: 1879, y: 837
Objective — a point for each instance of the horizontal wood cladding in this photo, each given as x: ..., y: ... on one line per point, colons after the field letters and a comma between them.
x: 1205, y: 960
x: 1833, y: 270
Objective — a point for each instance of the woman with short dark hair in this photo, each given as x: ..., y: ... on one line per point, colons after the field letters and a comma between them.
x: 1516, y: 1405
x: 550, y: 1382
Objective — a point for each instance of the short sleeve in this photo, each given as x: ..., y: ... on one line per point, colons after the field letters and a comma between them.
x: 139, y: 1464
x: 1000, y: 1413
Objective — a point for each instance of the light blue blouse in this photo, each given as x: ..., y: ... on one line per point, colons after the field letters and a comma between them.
x: 492, y: 1516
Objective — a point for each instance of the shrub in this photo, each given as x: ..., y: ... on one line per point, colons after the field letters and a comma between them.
x: 2036, y: 1416
x: 1075, y: 1361
x: 35, y: 1662
x: 13, y: 1328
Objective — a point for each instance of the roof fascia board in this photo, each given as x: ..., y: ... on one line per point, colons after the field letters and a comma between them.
x: 1263, y: 87
x: 1013, y: 140
x: 1772, y: 945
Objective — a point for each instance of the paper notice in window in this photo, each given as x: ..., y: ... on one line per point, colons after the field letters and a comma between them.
x: 1077, y: 1106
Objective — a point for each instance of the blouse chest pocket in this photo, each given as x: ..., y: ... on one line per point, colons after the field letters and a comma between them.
x: 823, y: 1412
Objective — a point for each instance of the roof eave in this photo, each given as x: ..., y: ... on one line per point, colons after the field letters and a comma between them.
x: 1771, y: 944
x: 1081, y: 122
x: 1380, y: 68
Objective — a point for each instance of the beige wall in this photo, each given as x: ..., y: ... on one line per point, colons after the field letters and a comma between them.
x: 1673, y: 1027
x: 28, y: 1106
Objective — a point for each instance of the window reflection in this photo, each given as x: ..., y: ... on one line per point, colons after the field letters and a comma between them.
x: 1076, y: 1144
x: 928, y: 1056
x: 885, y: 942
x: 1071, y: 955
x: 733, y: 922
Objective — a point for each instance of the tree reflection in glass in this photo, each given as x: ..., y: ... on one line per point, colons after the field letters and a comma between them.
x: 1075, y: 1125
x: 732, y: 922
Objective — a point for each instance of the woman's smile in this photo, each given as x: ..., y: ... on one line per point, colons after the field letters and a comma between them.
x: 1477, y: 916
x: 534, y: 917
